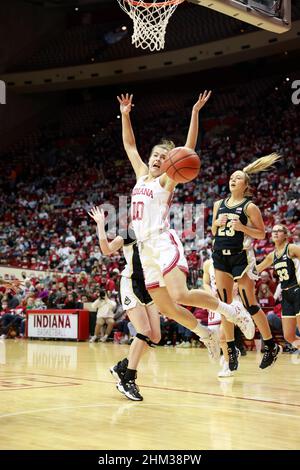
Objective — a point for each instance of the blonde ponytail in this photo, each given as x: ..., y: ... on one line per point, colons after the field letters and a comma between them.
x: 261, y: 164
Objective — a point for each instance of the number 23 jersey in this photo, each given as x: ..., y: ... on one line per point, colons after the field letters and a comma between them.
x: 226, y: 237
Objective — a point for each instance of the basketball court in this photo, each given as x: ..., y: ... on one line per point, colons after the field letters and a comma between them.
x: 60, y: 395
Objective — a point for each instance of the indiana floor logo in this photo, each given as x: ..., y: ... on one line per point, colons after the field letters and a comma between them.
x: 2, y: 92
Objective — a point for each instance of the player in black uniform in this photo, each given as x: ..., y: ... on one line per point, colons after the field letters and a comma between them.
x: 236, y: 220
x: 138, y: 305
x: 286, y: 261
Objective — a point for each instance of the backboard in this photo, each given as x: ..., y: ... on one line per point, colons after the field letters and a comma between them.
x: 272, y: 15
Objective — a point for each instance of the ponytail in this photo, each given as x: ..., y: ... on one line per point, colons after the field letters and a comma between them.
x: 259, y: 165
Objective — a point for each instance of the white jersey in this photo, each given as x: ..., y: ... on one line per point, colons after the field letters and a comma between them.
x: 150, y: 204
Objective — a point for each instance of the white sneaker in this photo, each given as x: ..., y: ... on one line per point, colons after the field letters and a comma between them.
x: 212, y: 344
x: 242, y: 319
x: 225, y: 371
x: 103, y: 339
x: 93, y: 339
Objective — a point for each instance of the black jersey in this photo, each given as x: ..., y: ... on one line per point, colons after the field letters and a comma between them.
x: 133, y: 268
x: 226, y: 237
x: 286, y: 268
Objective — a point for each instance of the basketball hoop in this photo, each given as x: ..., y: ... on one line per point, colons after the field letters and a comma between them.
x: 150, y: 20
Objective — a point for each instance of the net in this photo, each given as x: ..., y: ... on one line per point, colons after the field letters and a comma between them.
x: 150, y: 21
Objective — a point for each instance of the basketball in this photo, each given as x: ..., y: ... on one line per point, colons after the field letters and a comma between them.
x: 182, y: 164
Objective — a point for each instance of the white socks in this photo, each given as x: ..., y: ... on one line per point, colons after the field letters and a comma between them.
x: 225, y: 309
x: 201, y: 331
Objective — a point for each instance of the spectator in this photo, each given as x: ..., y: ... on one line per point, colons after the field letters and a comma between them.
x: 105, y: 316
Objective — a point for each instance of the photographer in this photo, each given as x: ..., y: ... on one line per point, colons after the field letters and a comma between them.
x: 105, y: 316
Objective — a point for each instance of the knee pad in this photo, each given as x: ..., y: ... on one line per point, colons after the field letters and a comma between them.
x: 146, y: 339
x: 252, y: 309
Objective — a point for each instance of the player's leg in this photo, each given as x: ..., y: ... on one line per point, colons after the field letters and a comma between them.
x: 170, y: 309
x: 247, y: 294
x: 297, y: 341
x: 225, y: 283
x: 139, y: 318
x: 154, y: 320
x: 291, y: 315
x: 175, y: 282
x: 289, y: 325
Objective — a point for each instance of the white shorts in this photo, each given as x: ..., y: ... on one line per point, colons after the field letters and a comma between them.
x: 159, y: 256
x: 214, y: 319
x: 133, y: 293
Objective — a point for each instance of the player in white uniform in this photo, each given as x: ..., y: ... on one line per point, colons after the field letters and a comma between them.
x: 137, y: 303
x: 160, y: 249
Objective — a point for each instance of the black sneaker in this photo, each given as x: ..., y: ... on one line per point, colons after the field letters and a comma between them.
x: 119, y: 387
x: 270, y: 356
x: 233, y: 355
x: 131, y: 391
x: 118, y: 371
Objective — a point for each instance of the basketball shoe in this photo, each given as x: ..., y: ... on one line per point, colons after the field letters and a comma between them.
x: 242, y: 319
x: 212, y: 344
x: 233, y: 356
x: 270, y: 356
x: 131, y: 390
x: 118, y: 371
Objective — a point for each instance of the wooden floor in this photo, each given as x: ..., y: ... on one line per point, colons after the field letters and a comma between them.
x: 60, y: 395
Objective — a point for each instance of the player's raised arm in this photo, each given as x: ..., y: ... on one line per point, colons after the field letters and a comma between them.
x: 192, y: 136
x: 266, y: 263
x: 140, y: 168
x: 106, y: 247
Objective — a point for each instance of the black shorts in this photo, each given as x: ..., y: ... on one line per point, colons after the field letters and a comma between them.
x: 291, y: 302
x: 236, y: 264
x: 140, y: 291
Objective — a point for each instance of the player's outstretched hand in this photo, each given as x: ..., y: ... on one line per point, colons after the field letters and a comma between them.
x: 202, y: 100
x: 125, y: 103
x: 97, y: 214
